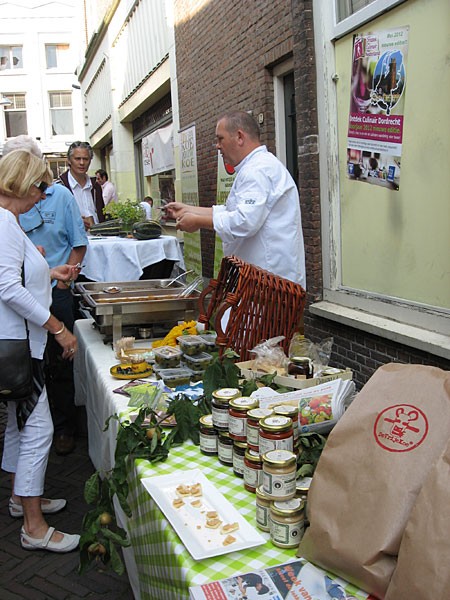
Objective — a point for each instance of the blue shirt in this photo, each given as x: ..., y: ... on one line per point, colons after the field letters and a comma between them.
x: 56, y: 224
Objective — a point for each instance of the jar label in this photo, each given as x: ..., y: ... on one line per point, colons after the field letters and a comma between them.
x: 280, y: 486
x: 252, y: 435
x: 208, y: 443
x: 265, y: 445
x: 287, y: 534
x: 237, y: 426
x: 262, y: 517
x: 238, y: 463
x: 220, y: 417
x: 252, y: 477
x: 225, y: 453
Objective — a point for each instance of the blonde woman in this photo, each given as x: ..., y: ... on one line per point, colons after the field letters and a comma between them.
x: 29, y: 431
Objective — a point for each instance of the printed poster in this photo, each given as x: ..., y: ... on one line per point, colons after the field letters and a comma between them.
x: 157, y: 151
x: 225, y: 178
x: 376, y: 118
x: 189, y: 195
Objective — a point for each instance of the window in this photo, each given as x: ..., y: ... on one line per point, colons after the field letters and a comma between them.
x: 61, y: 113
x: 10, y: 57
x: 57, y: 56
x: 345, y: 8
x: 15, y: 115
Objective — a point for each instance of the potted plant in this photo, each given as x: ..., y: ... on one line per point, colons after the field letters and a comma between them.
x: 129, y: 212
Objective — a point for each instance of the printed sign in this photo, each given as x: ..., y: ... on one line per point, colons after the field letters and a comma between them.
x: 157, y: 151
x: 375, y: 127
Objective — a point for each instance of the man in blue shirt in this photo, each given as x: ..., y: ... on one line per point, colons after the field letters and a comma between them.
x: 55, y: 226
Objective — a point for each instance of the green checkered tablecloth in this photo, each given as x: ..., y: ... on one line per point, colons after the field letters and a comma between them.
x: 166, y: 569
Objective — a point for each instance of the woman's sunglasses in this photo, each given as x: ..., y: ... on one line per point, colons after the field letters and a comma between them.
x: 41, y: 185
x: 41, y: 222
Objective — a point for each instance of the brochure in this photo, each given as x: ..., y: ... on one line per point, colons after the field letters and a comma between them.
x: 297, y: 580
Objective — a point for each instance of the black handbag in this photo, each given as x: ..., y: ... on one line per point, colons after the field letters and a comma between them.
x: 16, y: 367
x: 16, y: 370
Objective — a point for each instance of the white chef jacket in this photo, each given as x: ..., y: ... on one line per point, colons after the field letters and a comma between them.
x: 16, y: 302
x: 261, y: 221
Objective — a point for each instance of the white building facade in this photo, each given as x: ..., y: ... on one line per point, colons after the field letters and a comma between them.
x: 39, y: 51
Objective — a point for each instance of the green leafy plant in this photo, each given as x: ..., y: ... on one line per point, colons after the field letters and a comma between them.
x: 141, y: 438
x: 129, y: 212
x: 311, y: 446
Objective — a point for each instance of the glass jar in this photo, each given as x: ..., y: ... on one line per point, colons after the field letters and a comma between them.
x: 225, y: 448
x: 208, y: 436
x: 220, y: 404
x: 239, y: 449
x: 237, y: 417
x: 252, y: 470
x: 287, y: 522
x: 262, y: 510
x: 279, y: 469
x: 275, y: 433
x: 254, y: 415
x: 302, y: 486
x: 301, y: 367
x: 287, y: 410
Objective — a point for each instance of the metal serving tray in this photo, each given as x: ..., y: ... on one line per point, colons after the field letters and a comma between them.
x: 140, y: 302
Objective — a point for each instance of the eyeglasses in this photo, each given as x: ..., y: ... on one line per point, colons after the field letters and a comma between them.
x: 41, y: 185
x: 41, y: 222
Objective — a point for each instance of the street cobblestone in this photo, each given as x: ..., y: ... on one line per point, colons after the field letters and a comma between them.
x: 46, y: 575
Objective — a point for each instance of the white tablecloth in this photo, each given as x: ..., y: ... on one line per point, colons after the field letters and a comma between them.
x: 123, y: 259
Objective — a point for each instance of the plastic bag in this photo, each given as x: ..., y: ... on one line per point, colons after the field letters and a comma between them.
x: 270, y: 357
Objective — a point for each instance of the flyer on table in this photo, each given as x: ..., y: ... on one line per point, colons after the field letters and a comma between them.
x: 377, y: 97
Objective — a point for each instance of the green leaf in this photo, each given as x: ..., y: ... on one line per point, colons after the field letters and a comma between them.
x: 92, y: 488
x: 116, y: 561
x: 116, y: 537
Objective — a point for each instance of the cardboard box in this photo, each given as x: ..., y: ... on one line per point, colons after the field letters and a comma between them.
x: 248, y: 372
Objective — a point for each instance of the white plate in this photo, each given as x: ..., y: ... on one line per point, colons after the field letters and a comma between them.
x: 189, y: 522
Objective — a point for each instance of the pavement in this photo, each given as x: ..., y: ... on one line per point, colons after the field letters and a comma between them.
x: 38, y: 575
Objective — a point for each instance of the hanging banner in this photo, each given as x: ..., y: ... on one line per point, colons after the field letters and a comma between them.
x: 189, y: 195
x: 375, y: 128
x: 225, y: 178
x: 157, y: 151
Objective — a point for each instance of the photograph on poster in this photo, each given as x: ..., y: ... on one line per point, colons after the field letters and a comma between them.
x: 375, y: 128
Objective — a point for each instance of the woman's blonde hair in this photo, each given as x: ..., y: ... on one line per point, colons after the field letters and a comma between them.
x: 20, y: 170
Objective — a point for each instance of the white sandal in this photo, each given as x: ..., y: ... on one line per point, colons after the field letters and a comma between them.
x: 48, y: 508
x: 67, y: 544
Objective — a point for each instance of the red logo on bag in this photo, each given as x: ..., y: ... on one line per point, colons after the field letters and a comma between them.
x: 400, y: 428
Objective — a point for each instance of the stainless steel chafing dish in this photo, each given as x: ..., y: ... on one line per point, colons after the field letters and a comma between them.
x: 134, y: 303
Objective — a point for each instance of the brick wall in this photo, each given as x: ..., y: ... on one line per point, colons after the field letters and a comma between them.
x: 224, y: 52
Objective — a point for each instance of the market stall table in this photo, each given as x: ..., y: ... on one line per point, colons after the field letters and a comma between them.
x: 158, y: 564
x: 124, y: 259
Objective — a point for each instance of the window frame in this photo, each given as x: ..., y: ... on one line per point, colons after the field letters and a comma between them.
x: 10, y: 48
x: 355, y: 20
x: 12, y: 108
x: 413, y: 324
x: 57, y: 108
x: 58, y: 66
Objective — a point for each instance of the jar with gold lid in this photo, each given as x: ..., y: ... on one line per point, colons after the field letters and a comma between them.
x: 252, y: 470
x: 287, y: 410
x: 208, y: 436
x: 279, y: 470
x: 287, y: 522
x: 301, y: 367
x: 262, y: 510
x: 254, y: 416
x: 220, y: 405
x: 237, y: 417
x: 275, y: 433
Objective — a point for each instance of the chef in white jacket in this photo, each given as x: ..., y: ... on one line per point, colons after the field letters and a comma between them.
x: 261, y: 220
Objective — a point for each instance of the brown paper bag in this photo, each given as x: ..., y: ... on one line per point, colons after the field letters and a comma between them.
x: 368, y: 477
x: 423, y: 571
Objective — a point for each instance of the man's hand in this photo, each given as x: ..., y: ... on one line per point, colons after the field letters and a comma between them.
x: 175, y: 210
x: 65, y: 274
x: 188, y: 222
